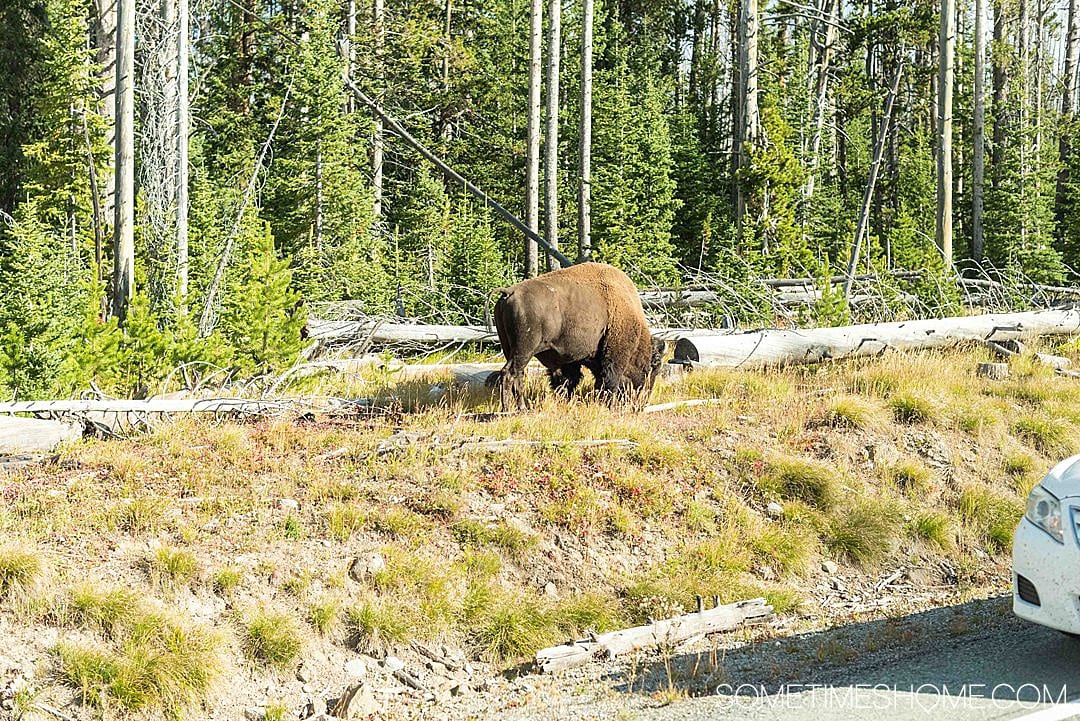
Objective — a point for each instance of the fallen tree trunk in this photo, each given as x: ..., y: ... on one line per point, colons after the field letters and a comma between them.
x: 784, y: 347
x: 668, y: 632
x: 32, y: 435
x: 162, y: 405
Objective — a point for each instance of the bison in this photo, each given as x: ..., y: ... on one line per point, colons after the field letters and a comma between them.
x: 587, y: 315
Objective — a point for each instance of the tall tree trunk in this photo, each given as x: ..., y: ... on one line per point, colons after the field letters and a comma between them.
x: 532, y: 160
x: 1000, y: 97
x: 735, y: 101
x: 446, y: 39
x: 124, y: 223
x: 105, y: 41
x: 946, y: 40
x: 183, y: 107
x: 350, y: 52
x: 749, y: 130
x: 1068, y: 111
x: 868, y: 193
x: 1022, y: 32
x: 551, y: 136
x: 978, y: 133
x: 823, y: 57
x: 585, y: 132
x: 377, y: 16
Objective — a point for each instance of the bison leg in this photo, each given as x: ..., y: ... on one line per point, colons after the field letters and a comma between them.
x: 565, y: 380
x: 512, y: 387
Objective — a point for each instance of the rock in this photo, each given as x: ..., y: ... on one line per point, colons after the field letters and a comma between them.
x: 356, y: 668
x: 393, y: 663
x: 288, y: 504
x: 362, y: 569
x: 774, y: 510
x: 255, y: 713
x: 357, y: 702
x: 304, y: 674
x: 437, y: 667
x: 767, y: 573
x: 459, y: 688
x: 443, y: 695
x: 550, y: 590
x: 829, y: 567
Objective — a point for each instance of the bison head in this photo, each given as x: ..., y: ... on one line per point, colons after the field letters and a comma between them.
x: 659, y: 347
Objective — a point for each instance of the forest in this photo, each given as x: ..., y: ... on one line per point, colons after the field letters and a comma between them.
x: 183, y: 181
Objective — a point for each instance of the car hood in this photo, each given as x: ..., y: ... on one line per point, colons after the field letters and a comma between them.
x: 1063, y: 480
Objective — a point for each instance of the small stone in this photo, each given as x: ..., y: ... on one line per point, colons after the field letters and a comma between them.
x: 436, y: 667
x: 774, y: 510
x: 356, y: 667
x: 255, y: 713
x: 304, y: 674
x: 550, y: 590
x: 829, y: 567
x: 288, y: 504
x: 459, y: 689
x: 306, y: 688
x: 442, y: 695
x: 393, y: 663
x: 361, y: 569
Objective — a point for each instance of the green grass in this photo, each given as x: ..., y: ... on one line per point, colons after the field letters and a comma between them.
x: 226, y: 579
x: 173, y: 566
x: 911, y: 409
x: 159, y: 667
x: 1050, y: 436
x: 20, y: 567
x: 786, y: 548
x: 377, y: 621
x: 1018, y: 464
x: 851, y: 412
x: 345, y: 519
x: 700, y: 517
x: 323, y: 614
x: 797, y: 479
x: 471, y: 532
x: 102, y: 608
x: 991, y: 517
x: 911, y: 477
x: 862, y: 533
x: 271, y: 638
x: 141, y: 515
x: 511, y: 628
x: 932, y: 527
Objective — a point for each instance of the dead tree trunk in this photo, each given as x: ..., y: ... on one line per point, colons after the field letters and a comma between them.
x: 786, y: 347
x: 868, y: 195
x: 946, y: 55
x: 377, y: 136
x: 551, y: 135
x: 821, y: 88
x: 1001, y: 91
x: 585, y: 134
x: 978, y: 133
x: 532, y: 160
x: 183, y: 107
x: 105, y: 40
x: 1068, y: 111
x: 124, y: 224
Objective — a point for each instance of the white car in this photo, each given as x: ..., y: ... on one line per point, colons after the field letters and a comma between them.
x: 1046, y: 551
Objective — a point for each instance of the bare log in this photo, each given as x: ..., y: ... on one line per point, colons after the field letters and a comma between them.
x: 784, y: 347
x: 32, y: 435
x: 668, y: 632
x: 660, y: 407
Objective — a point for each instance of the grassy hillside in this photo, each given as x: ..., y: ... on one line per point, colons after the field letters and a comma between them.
x: 205, y: 563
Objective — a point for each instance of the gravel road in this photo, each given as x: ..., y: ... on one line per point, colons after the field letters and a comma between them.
x: 969, y: 662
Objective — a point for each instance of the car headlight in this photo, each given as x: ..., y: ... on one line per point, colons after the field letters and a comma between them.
x: 1045, y: 512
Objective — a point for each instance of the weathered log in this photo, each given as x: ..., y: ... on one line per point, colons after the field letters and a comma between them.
x: 162, y: 405
x: 32, y: 435
x: 660, y: 407
x: 993, y: 371
x: 668, y: 632
x: 783, y: 347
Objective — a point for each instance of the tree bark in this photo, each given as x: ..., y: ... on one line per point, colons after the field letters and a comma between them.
x: 183, y: 122
x: 105, y: 40
x: 124, y: 223
x: 1001, y: 92
x: 585, y: 133
x: 377, y: 136
x: 946, y: 57
x: 821, y: 87
x: 551, y: 136
x: 532, y: 160
x: 787, y: 347
x: 978, y: 133
x: 1068, y: 112
x: 749, y: 130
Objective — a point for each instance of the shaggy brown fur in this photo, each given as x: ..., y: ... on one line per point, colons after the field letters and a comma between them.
x: 587, y: 315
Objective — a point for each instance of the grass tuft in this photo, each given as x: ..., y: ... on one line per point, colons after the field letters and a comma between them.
x: 933, y: 527
x: 271, y: 638
x: 797, y: 479
x: 851, y: 411
x: 911, y: 477
x: 102, y: 608
x: 862, y: 533
x: 20, y: 566
x: 1050, y: 436
x: 991, y: 517
x: 323, y: 614
x: 911, y: 409
x: 173, y: 566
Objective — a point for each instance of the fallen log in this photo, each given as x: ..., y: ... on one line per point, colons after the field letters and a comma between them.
x: 658, y: 633
x: 785, y: 347
x: 20, y: 436
x: 155, y: 405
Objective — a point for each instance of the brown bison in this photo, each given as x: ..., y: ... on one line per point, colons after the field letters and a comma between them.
x: 587, y: 315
